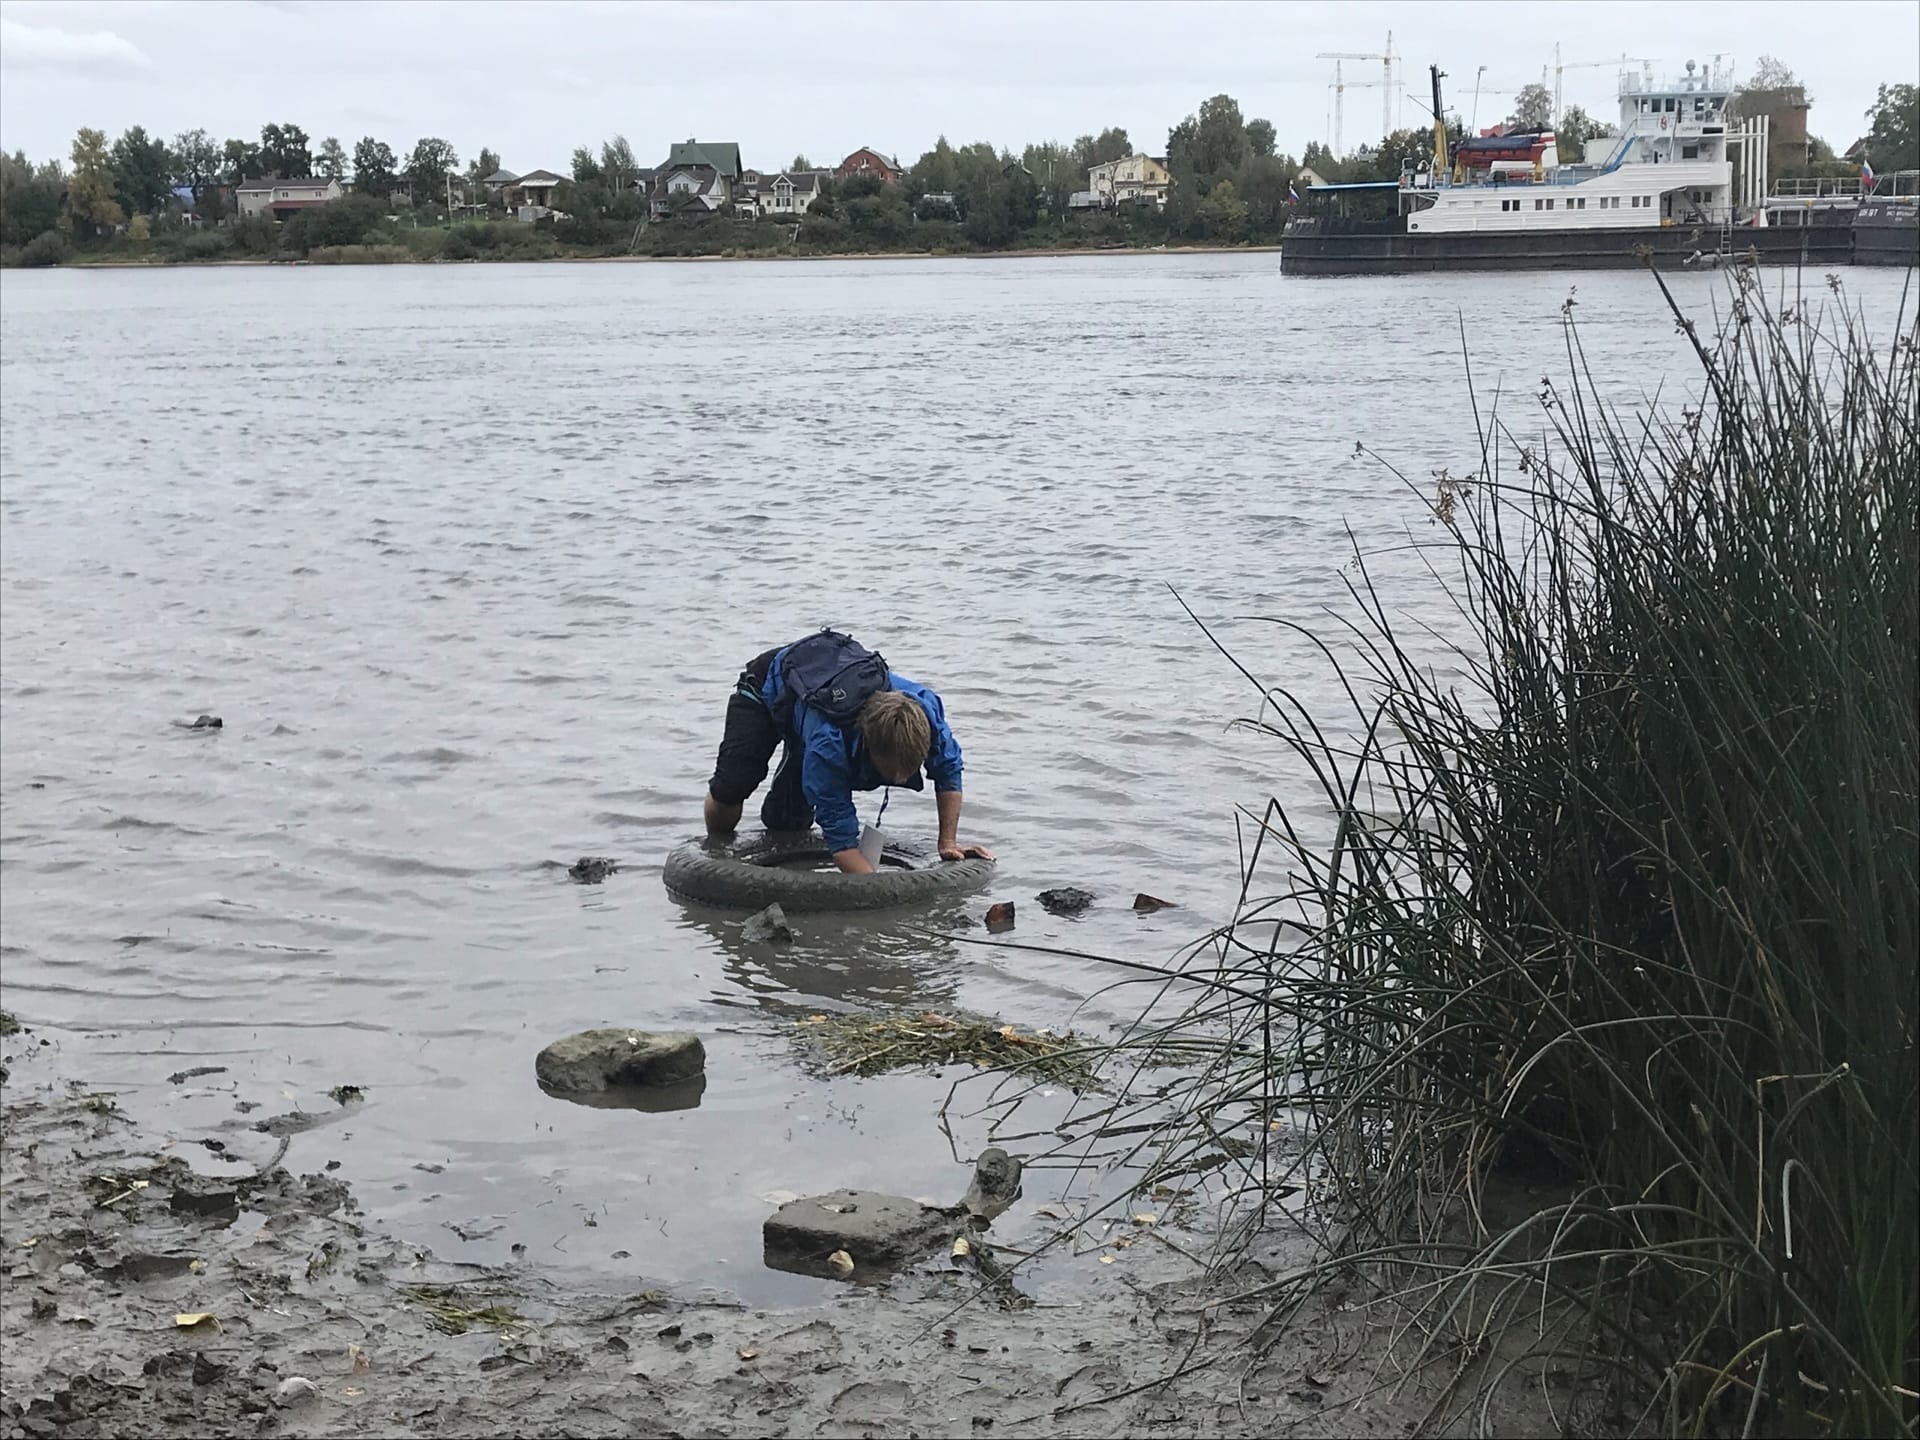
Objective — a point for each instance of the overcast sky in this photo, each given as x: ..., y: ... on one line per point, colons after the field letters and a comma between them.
x: 533, y: 80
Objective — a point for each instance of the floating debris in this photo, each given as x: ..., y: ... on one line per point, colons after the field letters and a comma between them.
x: 1145, y: 904
x: 1000, y: 918
x: 877, y: 1044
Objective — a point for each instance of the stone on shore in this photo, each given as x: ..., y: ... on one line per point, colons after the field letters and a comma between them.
x: 597, y: 1060
x: 874, y: 1229
x: 195, y: 1194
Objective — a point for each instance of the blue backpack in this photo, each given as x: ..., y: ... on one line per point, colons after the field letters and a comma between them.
x: 831, y: 673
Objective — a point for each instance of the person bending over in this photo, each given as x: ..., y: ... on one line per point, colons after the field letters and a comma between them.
x: 844, y: 722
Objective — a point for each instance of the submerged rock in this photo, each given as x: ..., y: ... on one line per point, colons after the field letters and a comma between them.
x: 596, y: 1060
x: 592, y: 869
x: 872, y: 1228
x: 201, y: 722
x: 1146, y: 904
x: 768, y: 924
x: 1065, y: 901
x: 878, y: 1231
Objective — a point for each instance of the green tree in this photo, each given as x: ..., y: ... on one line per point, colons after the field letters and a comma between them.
x: 617, y: 165
x: 585, y: 167
x: 484, y: 164
x: 196, y: 161
x: 1574, y: 132
x: 1532, y: 108
x: 1264, y: 187
x: 91, y: 208
x: 1056, y: 172
x: 1109, y: 145
x: 1893, y: 136
x: 353, y: 220
x: 800, y: 162
x: 29, y: 199
x: 1223, y: 214
x: 284, y: 152
x: 1260, y: 136
x: 243, y: 162
x: 331, y: 164
x: 428, y: 167
x: 142, y: 172
x: 373, y: 167
x: 1771, y: 74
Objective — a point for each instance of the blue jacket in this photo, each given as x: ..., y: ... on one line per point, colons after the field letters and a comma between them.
x: 834, y: 760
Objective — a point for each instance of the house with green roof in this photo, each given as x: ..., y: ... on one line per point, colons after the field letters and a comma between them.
x: 721, y: 156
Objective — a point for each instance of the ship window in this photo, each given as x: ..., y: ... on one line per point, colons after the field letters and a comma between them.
x: 1549, y: 204
x: 1689, y: 152
x: 1539, y: 204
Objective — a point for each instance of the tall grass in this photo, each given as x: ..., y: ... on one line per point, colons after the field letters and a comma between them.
x: 1634, y: 909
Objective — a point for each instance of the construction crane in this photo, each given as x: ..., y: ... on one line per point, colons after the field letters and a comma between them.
x: 1559, y: 110
x: 1386, y: 58
x: 1335, y: 90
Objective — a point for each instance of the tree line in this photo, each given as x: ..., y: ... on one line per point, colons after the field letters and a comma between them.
x: 1229, y: 185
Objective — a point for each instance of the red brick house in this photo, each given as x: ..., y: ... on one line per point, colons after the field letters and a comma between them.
x: 867, y: 161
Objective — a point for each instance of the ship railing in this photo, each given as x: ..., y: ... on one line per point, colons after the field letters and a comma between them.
x: 1819, y: 188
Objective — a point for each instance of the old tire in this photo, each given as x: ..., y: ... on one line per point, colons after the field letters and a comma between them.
x: 756, y: 871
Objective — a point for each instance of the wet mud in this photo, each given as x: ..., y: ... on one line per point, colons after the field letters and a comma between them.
x: 161, y: 1288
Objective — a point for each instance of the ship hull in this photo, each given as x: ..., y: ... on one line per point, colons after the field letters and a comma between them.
x: 1310, y: 248
x: 1887, y: 234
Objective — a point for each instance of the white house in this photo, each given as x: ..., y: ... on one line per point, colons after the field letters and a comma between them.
x: 790, y: 193
x: 283, y: 199
x: 698, y: 187
x: 1135, y: 177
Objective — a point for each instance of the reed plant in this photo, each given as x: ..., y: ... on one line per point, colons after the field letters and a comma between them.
x: 1630, y: 911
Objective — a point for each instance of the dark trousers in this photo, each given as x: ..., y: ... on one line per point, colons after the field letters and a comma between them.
x: 746, y: 749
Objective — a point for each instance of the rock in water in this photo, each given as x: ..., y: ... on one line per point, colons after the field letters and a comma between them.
x: 873, y: 1229
x: 597, y: 1060
x: 201, y: 722
x: 1000, y: 918
x: 592, y: 869
x: 1146, y: 904
x: 769, y: 924
x: 1067, y: 901
x: 996, y: 1183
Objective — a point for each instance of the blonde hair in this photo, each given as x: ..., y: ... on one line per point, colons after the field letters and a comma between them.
x: 896, y: 732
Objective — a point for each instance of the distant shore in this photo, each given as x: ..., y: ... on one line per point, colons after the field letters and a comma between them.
x: 1059, y: 252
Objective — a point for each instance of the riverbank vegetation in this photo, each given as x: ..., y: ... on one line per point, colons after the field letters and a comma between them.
x: 1598, y: 1004
x: 143, y: 200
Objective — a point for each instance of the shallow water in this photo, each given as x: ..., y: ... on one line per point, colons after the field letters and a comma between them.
x: 467, y: 559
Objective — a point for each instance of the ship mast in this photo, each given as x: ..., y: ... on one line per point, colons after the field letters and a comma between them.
x: 1439, y: 127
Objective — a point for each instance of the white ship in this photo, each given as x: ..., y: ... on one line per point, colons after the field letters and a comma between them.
x: 1662, y: 189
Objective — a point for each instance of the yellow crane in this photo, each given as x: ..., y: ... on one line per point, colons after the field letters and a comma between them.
x: 1386, y: 58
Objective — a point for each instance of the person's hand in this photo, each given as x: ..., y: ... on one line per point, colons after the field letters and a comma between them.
x: 965, y: 852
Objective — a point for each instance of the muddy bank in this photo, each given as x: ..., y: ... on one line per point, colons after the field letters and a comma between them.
x: 154, y: 1289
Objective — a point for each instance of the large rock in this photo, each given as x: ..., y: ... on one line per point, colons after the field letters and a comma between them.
x: 597, y: 1060
x: 873, y: 1229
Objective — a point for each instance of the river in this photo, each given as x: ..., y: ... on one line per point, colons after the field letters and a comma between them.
x: 467, y: 557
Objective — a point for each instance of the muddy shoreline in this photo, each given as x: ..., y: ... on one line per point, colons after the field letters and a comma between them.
x: 319, y: 1324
